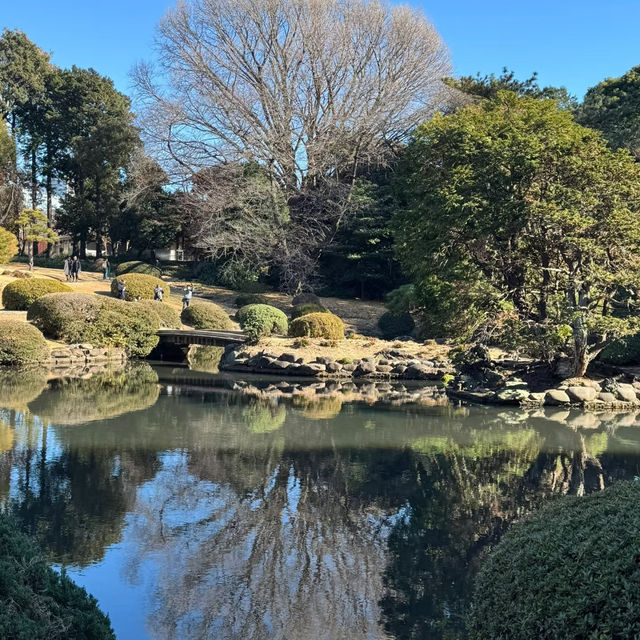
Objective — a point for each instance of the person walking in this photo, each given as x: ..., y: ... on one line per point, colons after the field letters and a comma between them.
x: 158, y: 292
x: 186, y: 298
x: 106, y: 269
x: 122, y: 290
x: 76, y: 268
x: 67, y: 268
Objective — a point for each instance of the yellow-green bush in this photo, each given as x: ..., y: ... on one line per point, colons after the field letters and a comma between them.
x: 259, y: 320
x: 65, y: 316
x: 206, y: 315
x: 168, y: 317
x: 8, y: 245
x: 317, y: 325
x: 21, y: 294
x: 138, y: 285
x: 21, y: 343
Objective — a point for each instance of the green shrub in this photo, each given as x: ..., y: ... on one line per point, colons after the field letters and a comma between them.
x: 138, y: 285
x: 136, y: 266
x: 305, y: 308
x: 250, y: 298
x: 206, y: 272
x: 65, y: 316
x: 126, y: 325
x: 569, y: 571
x: 301, y: 343
x: 202, y: 358
x: 21, y: 385
x: 393, y: 325
x: 306, y: 298
x: 317, y: 325
x: 206, y: 315
x: 260, y: 320
x: 402, y: 300
x: 21, y: 343
x: 39, y: 603
x: 168, y: 317
x: 21, y: 294
x: 8, y: 245
x: 623, y: 351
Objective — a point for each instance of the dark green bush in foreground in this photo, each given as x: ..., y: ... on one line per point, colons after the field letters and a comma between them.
x: 306, y: 308
x: 38, y: 603
x: 393, y: 325
x: 206, y: 316
x: 21, y: 294
x: 245, y: 299
x: 570, y: 571
x: 260, y: 320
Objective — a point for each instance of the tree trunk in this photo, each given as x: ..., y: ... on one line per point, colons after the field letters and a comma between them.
x: 580, y: 355
x: 34, y: 180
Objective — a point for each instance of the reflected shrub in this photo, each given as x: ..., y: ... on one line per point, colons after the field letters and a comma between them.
x: 19, y: 386
x: 569, y: 571
x: 206, y: 316
x: 321, y: 408
x: 21, y: 294
x: 21, y: 344
x: 37, y: 602
x: 264, y: 418
x: 7, y: 436
x: 317, y: 325
x: 202, y: 358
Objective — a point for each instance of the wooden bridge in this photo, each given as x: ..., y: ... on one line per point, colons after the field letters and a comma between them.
x: 208, y: 338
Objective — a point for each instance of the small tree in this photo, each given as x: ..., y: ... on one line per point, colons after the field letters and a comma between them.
x: 515, y: 207
x: 32, y: 226
x: 8, y: 245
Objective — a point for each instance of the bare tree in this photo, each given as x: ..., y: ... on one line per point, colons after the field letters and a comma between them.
x: 312, y: 90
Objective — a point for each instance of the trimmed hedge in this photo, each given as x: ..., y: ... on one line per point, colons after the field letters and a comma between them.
x: 137, y: 266
x: 138, y: 285
x: 570, y: 571
x: 74, y: 317
x: 8, y: 245
x: 21, y: 343
x: 206, y: 315
x: 260, y: 320
x: 317, y: 325
x: 393, y: 325
x: 305, y: 308
x: 251, y: 298
x: 306, y: 298
x: 39, y: 603
x: 21, y: 294
x: 168, y: 318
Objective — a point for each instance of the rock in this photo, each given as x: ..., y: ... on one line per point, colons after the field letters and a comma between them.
x: 512, y: 396
x: 365, y: 368
x: 311, y: 369
x: 537, y: 397
x: 384, y: 362
x: 420, y: 372
x: 626, y: 392
x: 383, y: 368
x: 333, y: 367
x: 287, y: 357
x: 350, y: 368
x: 324, y: 360
x: 555, y: 397
x: 582, y: 394
x: 516, y: 383
x: 399, y: 369
x: 607, y: 397
x: 278, y: 365
x: 585, y: 420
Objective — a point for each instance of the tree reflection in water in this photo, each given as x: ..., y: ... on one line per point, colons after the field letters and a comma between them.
x: 308, y: 519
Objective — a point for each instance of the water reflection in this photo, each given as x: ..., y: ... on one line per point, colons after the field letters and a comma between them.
x: 259, y: 510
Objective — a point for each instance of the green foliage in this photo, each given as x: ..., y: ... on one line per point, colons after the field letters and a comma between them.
x: 38, y: 603
x: 202, y: 358
x: 21, y: 385
x: 569, y: 571
x: 613, y: 107
x: 135, y: 266
x: 33, y: 226
x: 306, y: 298
x: 300, y: 343
x: 65, y: 316
x: 623, y: 351
x: 393, y: 325
x: 168, y: 318
x: 138, y: 285
x: 8, y: 245
x: 250, y: 298
x: 260, y: 320
x: 502, y: 196
x: 305, y: 308
x: 206, y: 315
x: 402, y: 300
x: 317, y: 325
x: 21, y: 344
x: 21, y: 294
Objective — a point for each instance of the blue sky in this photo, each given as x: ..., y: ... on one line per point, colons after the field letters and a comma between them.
x: 570, y: 42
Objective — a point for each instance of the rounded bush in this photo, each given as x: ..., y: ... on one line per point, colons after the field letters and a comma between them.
x: 138, y: 285
x: 251, y: 298
x: 305, y: 308
x: 317, y: 325
x: 306, y: 298
x: 569, y: 571
x: 136, y: 266
x: 8, y: 245
x: 168, y: 318
x: 260, y: 320
x: 21, y: 343
x: 39, y: 603
x: 393, y: 325
x: 65, y: 316
x: 206, y: 316
x: 21, y: 294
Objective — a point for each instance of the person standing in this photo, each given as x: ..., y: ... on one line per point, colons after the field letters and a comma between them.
x: 106, y: 269
x: 158, y: 292
x: 186, y: 298
x: 76, y: 268
x: 67, y: 268
x: 122, y: 290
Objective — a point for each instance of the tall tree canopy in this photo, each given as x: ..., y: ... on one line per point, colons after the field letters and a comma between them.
x: 613, y: 107
x: 512, y: 205
x: 310, y: 90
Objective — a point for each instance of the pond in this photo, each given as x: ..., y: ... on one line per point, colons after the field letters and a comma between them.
x: 211, y: 507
